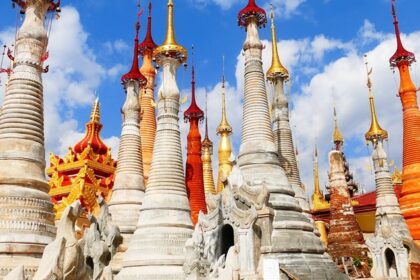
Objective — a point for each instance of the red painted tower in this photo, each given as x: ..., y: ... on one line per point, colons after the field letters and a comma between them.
x: 194, y: 167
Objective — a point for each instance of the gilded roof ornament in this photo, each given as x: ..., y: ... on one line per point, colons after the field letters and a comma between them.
x: 170, y: 48
x: 277, y: 70
x: 224, y: 125
x: 375, y: 132
x: 338, y: 138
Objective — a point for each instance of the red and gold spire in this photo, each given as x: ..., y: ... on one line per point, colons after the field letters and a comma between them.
x: 401, y: 55
x: 194, y: 179
x: 148, y: 43
x: 252, y: 11
x: 134, y: 73
x: 410, y: 193
x: 92, y: 137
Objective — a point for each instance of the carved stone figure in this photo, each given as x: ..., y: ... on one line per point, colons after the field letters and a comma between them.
x: 101, y: 240
x: 63, y: 258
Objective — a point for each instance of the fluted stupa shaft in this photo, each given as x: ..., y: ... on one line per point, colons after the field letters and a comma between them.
x: 156, y: 250
x: 26, y: 217
x: 148, y: 116
x: 128, y: 190
x: 386, y: 200
x: 284, y: 142
x: 293, y: 242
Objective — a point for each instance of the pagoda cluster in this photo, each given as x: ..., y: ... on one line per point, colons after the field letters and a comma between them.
x: 152, y: 215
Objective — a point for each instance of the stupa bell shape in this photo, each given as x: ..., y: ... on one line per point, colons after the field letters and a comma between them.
x: 156, y: 249
x: 128, y: 190
x: 26, y: 216
x: 293, y: 241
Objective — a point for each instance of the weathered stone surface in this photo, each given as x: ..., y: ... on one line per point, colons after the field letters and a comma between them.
x: 156, y: 249
x: 128, y: 191
x: 26, y: 217
x: 345, y: 238
x: 293, y: 241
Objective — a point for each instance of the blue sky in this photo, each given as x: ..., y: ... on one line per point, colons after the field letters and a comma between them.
x: 321, y: 42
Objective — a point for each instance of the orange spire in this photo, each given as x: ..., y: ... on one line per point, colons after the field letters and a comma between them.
x: 194, y: 179
x: 410, y: 192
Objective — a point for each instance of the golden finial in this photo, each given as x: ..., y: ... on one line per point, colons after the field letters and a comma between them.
x: 277, y: 70
x: 375, y: 132
x: 224, y: 125
x: 338, y: 138
x: 95, y: 114
x: 170, y: 48
x: 317, y: 189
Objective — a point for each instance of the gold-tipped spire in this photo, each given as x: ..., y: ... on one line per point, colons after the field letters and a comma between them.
x: 170, y: 47
x: 206, y: 153
x: 224, y: 125
x: 277, y: 70
x: 95, y: 114
x: 338, y: 138
x: 375, y: 132
x: 318, y: 200
x: 225, y: 145
x: 317, y: 188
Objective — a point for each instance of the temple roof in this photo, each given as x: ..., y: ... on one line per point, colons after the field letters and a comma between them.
x: 92, y: 136
x: 148, y: 43
x: 252, y: 11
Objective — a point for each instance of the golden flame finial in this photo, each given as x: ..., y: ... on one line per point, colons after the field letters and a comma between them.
x: 95, y: 114
x: 170, y: 48
x: 317, y: 188
x: 375, y: 132
x: 277, y: 70
x: 224, y: 125
x: 338, y: 138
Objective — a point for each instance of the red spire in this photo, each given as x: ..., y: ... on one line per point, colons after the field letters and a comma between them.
x: 401, y: 55
x: 134, y: 73
x: 148, y: 43
x: 193, y: 111
x: 252, y: 10
x: 92, y: 137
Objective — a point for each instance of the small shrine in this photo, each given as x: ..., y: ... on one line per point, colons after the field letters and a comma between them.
x: 85, y: 172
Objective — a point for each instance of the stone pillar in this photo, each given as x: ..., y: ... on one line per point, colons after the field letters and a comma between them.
x: 26, y: 217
